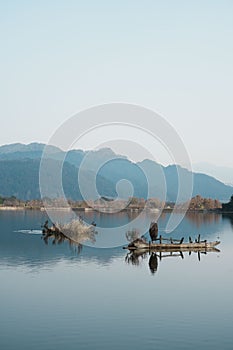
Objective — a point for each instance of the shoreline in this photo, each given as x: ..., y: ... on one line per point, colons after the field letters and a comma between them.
x: 106, y: 210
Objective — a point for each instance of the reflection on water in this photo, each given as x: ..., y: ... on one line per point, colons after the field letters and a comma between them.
x: 153, y: 262
x: 58, y: 238
x: 199, y: 219
x: 55, y: 296
x: 77, y: 232
x: 228, y: 217
x: 194, y: 222
x: 136, y: 257
x: 17, y: 248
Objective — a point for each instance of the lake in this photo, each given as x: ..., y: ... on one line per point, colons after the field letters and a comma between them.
x: 54, y: 296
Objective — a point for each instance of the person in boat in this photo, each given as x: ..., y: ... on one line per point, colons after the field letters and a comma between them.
x: 153, y: 231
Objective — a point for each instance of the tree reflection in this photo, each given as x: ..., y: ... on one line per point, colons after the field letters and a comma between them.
x: 228, y: 217
x: 135, y: 257
x: 199, y: 219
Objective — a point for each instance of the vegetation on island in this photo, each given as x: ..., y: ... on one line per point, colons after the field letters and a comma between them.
x: 200, y: 203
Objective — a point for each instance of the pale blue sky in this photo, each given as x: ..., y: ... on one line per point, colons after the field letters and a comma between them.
x: 175, y: 57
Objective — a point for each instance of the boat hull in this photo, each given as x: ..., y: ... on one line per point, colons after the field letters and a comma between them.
x: 173, y: 246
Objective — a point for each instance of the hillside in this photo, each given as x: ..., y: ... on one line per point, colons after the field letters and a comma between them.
x: 19, y: 175
x: 20, y: 178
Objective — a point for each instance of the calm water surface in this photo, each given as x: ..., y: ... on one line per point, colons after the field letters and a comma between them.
x: 53, y: 297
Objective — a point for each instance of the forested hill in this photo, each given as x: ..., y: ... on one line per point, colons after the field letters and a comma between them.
x: 19, y: 174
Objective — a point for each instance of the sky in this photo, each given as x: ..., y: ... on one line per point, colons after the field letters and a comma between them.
x: 59, y: 57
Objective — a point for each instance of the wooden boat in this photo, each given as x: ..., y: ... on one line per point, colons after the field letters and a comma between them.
x: 173, y: 245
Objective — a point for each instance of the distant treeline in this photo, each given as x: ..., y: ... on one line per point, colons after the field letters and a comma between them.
x: 196, y: 203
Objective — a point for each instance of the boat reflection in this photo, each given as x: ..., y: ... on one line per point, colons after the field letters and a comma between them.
x: 136, y: 257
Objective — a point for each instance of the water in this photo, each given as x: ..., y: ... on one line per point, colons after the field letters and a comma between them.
x: 53, y: 297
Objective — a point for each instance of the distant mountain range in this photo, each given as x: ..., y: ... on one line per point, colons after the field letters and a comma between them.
x: 19, y: 175
x: 223, y: 174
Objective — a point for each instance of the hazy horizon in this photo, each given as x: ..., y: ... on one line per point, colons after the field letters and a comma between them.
x: 172, y: 57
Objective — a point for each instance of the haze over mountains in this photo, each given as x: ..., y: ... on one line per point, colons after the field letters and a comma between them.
x: 19, y: 175
x: 222, y: 173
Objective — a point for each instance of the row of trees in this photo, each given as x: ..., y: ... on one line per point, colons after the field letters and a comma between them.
x: 200, y: 203
x: 39, y: 203
x: 196, y: 203
x: 11, y: 202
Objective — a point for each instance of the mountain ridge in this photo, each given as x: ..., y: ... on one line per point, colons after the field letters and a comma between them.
x: 111, y: 169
